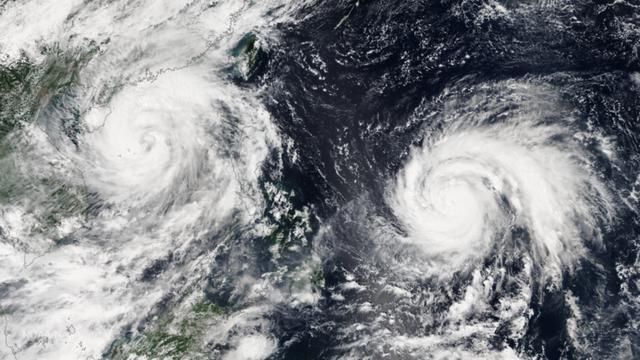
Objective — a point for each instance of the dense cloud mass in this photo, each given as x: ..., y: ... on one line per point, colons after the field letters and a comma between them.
x: 319, y: 179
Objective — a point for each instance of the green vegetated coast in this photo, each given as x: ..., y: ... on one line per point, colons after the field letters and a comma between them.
x: 29, y: 182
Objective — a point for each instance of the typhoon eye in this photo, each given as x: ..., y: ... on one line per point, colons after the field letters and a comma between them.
x: 137, y: 155
x: 276, y: 179
x: 451, y: 194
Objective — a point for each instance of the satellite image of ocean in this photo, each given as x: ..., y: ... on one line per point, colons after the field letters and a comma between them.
x: 319, y: 179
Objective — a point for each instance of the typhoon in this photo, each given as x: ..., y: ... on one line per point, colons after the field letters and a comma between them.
x: 477, y: 189
x: 340, y: 179
x: 128, y: 157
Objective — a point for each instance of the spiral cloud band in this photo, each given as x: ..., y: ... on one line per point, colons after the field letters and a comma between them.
x: 522, y: 185
x: 137, y: 147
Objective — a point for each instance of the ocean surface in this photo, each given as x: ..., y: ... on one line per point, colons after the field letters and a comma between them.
x: 248, y: 180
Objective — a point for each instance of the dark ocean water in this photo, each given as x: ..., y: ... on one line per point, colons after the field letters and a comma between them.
x: 249, y: 180
x: 355, y: 85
